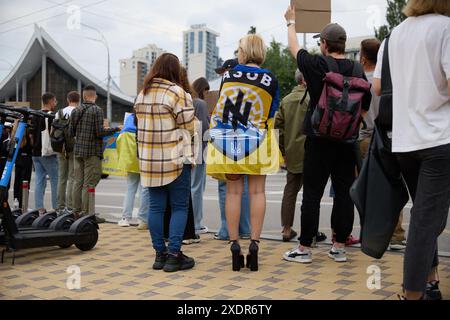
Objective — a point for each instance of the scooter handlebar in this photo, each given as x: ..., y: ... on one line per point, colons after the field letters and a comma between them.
x: 26, y: 111
x: 8, y: 115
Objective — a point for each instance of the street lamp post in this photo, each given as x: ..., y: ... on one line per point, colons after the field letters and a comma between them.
x: 108, y: 86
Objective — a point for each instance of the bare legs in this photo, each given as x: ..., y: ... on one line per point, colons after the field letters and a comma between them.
x: 256, y: 188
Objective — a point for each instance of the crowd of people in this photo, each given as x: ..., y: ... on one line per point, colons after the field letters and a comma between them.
x: 316, y: 142
x: 72, y: 161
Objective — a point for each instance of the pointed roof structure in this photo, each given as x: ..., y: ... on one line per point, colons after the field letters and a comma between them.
x: 31, y: 61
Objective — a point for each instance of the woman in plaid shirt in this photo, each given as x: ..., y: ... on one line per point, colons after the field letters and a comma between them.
x: 165, y: 121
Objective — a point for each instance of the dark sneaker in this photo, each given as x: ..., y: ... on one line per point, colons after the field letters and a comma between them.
x: 178, y: 262
x: 100, y: 220
x: 432, y: 291
x: 160, y: 260
x: 320, y: 237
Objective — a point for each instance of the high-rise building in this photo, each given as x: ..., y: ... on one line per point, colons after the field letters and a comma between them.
x: 134, y: 69
x: 200, y: 52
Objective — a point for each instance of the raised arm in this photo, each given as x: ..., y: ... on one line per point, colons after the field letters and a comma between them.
x: 293, y: 44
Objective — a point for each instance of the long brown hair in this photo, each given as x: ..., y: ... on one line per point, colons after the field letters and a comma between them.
x: 184, y: 80
x: 416, y: 8
x: 167, y: 67
x: 199, y: 86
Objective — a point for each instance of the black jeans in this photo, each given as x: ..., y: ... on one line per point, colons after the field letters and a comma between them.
x: 427, y: 174
x: 322, y: 159
x: 24, y: 167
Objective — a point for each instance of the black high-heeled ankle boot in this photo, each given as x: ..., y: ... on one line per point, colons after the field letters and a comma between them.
x: 237, y: 257
x: 252, y: 257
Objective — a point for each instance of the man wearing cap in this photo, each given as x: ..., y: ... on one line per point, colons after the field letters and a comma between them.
x: 323, y: 158
x: 227, y: 65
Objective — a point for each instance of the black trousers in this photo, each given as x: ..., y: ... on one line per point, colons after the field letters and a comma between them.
x: 427, y: 174
x: 323, y: 159
x: 24, y: 167
x: 189, y: 231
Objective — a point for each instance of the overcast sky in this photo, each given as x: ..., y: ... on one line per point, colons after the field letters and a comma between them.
x: 131, y: 24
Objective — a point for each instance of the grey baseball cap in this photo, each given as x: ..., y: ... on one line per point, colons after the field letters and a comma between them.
x: 332, y: 32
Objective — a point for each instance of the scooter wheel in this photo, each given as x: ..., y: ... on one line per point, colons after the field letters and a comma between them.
x: 92, y: 230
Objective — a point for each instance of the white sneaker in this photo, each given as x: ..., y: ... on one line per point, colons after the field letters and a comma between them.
x: 196, y: 239
x: 338, y: 254
x: 203, y: 230
x: 296, y: 255
x: 397, y: 245
x: 123, y: 222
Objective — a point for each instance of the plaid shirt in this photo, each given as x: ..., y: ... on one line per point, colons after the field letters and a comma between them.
x: 165, y: 123
x: 88, y: 131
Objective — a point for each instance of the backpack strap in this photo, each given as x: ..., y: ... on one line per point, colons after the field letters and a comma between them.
x: 332, y: 64
x: 304, y: 96
x: 61, y: 114
x: 386, y: 81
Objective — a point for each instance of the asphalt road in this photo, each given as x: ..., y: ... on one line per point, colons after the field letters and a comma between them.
x: 111, y: 191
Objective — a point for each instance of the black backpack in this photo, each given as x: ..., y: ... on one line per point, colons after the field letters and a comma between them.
x: 60, y: 138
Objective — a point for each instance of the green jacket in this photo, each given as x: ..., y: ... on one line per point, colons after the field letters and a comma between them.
x: 289, y: 122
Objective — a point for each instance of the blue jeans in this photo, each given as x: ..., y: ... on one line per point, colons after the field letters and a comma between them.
x: 198, y: 182
x: 244, y: 222
x: 178, y: 192
x: 45, y: 166
x: 145, y: 205
x: 133, y: 183
x: 134, y: 186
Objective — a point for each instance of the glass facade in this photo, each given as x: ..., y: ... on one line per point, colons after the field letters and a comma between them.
x: 200, y: 42
x: 192, y: 43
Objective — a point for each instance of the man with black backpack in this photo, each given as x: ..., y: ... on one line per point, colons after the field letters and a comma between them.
x: 86, y: 125
x: 340, y: 96
x: 62, y: 142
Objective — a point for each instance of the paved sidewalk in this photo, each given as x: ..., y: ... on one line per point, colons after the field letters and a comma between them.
x: 120, y: 268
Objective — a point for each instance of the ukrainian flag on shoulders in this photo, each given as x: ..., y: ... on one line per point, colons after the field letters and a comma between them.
x: 242, y: 137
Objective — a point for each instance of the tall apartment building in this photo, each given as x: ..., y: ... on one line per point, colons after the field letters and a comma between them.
x: 134, y: 69
x: 200, y: 52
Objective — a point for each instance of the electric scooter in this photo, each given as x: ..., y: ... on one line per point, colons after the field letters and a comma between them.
x: 23, y: 217
x: 83, y: 233
x: 26, y: 218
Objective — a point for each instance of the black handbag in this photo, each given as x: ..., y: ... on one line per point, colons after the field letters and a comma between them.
x: 379, y: 197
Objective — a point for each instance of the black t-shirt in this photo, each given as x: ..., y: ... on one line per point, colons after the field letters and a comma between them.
x: 314, y: 68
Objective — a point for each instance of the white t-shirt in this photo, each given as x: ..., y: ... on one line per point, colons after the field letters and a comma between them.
x: 67, y: 111
x: 372, y: 114
x: 419, y: 58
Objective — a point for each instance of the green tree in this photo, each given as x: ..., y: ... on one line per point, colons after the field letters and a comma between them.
x: 281, y: 63
x: 394, y: 17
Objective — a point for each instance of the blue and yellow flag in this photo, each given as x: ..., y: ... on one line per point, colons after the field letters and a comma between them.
x: 110, y: 156
x: 242, y: 138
